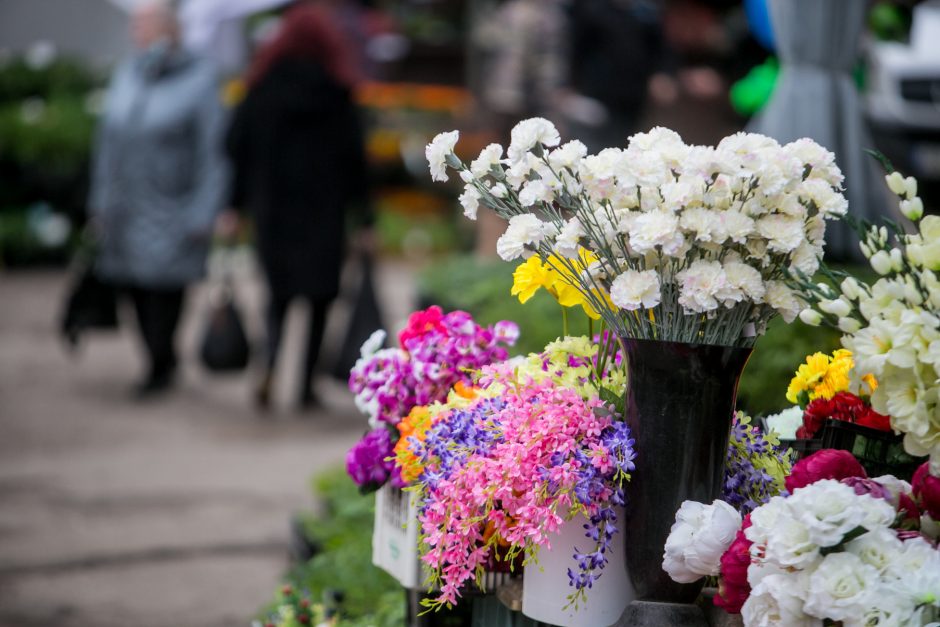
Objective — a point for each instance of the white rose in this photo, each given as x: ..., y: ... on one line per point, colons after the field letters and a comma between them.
x: 470, y: 201
x: 488, y: 158
x: 698, y: 539
x: 632, y: 290
x: 777, y: 601
x: 527, y: 133
x: 437, y: 152
x: 523, y: 230
x: 841, y: 587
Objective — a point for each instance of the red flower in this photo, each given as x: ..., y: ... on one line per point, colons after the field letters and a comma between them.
x: 926, y: 490
x: 733, y: 588
x: 843, y: 406
x: 421, y: 322
x: 825, y: 464
x: 871, y: 418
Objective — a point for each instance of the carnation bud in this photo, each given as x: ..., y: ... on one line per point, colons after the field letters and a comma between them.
x: 913, y: 208
x: 849, y: 325
x: 851, y: 289
x: 881, y: 262
x: 895, y: 183
x: 910, y: 186
x: 811, y: 317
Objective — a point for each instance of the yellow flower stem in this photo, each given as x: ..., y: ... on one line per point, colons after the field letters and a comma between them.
x: 564, y: 321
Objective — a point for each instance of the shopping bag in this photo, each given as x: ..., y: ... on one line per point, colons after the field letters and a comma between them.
x: 90, y: 303
x: 366, y: 318
x: 224, y: 346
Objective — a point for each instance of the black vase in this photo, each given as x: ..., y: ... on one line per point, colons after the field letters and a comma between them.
x: 680, y: 403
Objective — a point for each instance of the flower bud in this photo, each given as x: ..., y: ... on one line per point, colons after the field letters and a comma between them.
x: 851, y: 289
x: 897, y: 260
x: 910, y: 186
x: 881, y: 262
x: 838, y: 307
x: 849, y: 325
x: 913, y: 208
x: 811, y: 317
x: 865, y: 249
x: 895, y: 183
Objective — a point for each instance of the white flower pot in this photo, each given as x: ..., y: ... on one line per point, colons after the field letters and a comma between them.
x: 545, y: 587
x: 395, y: 536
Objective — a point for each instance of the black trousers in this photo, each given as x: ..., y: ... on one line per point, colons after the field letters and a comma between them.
x: 277, y: 313
x: 158, y: 314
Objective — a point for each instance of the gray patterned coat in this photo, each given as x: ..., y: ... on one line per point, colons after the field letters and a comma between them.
x: 159, y: 177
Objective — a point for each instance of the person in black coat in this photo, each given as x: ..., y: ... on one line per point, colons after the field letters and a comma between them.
x: 296, y: 146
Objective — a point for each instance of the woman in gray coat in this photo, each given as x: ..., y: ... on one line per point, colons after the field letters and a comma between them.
x: 158, y: 181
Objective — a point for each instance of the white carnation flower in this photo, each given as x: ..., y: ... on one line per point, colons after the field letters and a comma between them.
x: 783, y: 233
x: 656, y: 228
x: 842, y: 587
x: 701, y: 286
x: 568, y: 156
x: 518, y: 173
x: 821, y: 162
x: 745, y: 278
x: 437, y: 152
x: 523, y: 230
x: 527, y: 133
x: 567, y: 244
x: 489, y: 157
x: 470, y: 201
x: 786, y: 422
x: 632, y: 290
x: 499, y: 190
x: 698, y: 539
x: 535, y: 191
x: 705, y: 224
x: 781, y: 298
x: 736, y: 225
x: 805, y: 259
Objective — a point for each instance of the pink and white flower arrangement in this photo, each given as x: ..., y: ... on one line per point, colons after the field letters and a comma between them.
x: 840, y: 548
x: 435, y: 352
x: 502, y: 473
x: 687, y: 243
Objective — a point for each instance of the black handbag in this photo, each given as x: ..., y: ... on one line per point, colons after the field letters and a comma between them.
x: 224, y: 346
x: 366, y: 318
x: 90, y: 303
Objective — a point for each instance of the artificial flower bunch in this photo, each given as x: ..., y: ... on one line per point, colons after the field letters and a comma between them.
x: 839, y: 548
x: 664, y: 240
x: 436, y: 351
x: 892, y: 326
x: 821, y: 388
x: 504, y: 467
x: 756, y: 466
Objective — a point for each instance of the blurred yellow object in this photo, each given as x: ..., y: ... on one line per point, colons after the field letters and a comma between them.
x: 233, y: 92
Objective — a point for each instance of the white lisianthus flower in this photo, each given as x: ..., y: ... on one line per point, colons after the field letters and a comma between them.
x: 632, y: 290
x: 470, y: 201
x: 656, y: 228
x: 700, y: 285
x: 527, y: 133
x: 437, y: 152
x: 830, y: 510
x: 488, y: 158
x: 786, y: 422
x: 791, y: 544
x: 523, y: 230
x: 765, y: 517
x: 698, y: 539
x: 841, y: 588
x: 778, y: 600
x: 879, y: 548
x: 781, y: 298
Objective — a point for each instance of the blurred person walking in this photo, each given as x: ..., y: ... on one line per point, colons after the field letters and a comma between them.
x: 158, y: 181
x: 297, y: 149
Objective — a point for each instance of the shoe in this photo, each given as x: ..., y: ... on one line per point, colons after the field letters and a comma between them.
x: 263, y: 392
x: 153, y: 386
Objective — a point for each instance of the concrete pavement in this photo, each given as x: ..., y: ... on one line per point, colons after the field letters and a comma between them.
x: 168, y: 513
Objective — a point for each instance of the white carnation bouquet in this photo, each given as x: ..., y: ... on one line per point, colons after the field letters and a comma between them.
x: 664, y: 240
x: 892, y: 326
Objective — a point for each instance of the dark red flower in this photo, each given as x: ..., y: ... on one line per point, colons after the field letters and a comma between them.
x: 926, y: 490
x: 870, y: 418
x: 825, y: 464
x: 733, y: 588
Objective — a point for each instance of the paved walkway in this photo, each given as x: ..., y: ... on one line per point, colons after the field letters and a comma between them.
x: 166, y: 514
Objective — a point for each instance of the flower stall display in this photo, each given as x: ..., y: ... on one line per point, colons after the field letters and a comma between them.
x: 501, y: 476
x: 683, y: 252
x: 892, y: 326
x: 840, y: 548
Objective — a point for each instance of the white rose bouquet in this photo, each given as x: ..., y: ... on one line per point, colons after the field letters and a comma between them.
x: 664, y: 240
x: 892, y: 326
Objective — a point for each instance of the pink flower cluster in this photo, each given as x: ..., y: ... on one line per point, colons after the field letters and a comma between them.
x: 437, y: 350
x: 532, y: 456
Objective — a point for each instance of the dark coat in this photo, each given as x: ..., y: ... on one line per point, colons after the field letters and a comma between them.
x: 296, y: 149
